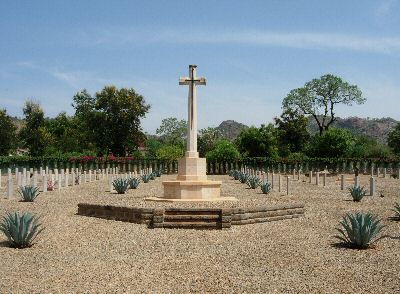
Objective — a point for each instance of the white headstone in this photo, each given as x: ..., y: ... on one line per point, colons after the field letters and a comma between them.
x: 44, y: 183
x: 35, y: 178
x: 59, y: 182
x: 10, y: 188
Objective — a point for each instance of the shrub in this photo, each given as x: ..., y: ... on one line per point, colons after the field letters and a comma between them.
x: 20, y: 229
x: 146, y: 178
x: 152, y: 176
x: 359, y: 230
x: 158, y: 173
x: 134, y: 183
x: 357, y: 193
x: 396, y: 209
x: 28, y: 193
x: 224, y: 150
x: 266, y: 187
x: 253, y: 182
x: 121, y: 185
x: 243, y: 177
x: 236, y: 174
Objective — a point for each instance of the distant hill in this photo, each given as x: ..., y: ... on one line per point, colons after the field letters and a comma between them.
x: 230, y: 129
x: 376, y: 128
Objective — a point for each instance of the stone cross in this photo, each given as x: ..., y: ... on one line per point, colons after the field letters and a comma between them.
x: 192, y: 81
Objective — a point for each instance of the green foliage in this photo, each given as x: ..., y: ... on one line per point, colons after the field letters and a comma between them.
x: 111, y: 120
x: 7, y: 133
x: 146, y: 178
x: 169, y: 152
x: 359, y: 230
x: 223, y: 151
x: 357, y: 193
x: 396, y: 209
x: 28, y: 193
x: 172, y: 131
x: 243, y: 177
x: 332, y: 143
x: 253, y: 182
x: 365, y: 147
x: 258, y: 142
x: 207, y: 140
x: 319, y: 97
x: 158, y: 173
x: 34, y: 134
x: 20, y: 229
x: 152, y: 176
x: 152, y: 146
x: 266, y: 187
x: 292, y: 132
x: 121, y: 185
x: 394, y: 139
x: 134, y: 183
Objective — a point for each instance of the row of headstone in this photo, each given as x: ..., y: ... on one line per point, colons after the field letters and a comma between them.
x: 270, y: 178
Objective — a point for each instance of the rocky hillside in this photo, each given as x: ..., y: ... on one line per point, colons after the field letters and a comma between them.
x: 230, y: 129
x: 376, y: 128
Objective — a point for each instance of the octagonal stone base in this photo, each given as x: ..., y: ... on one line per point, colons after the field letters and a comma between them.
x: 192, y: 189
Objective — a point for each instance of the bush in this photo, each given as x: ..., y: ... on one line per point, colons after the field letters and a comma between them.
x: 121, y: 185
x: 359, y: 230
x: 158, y: 173
x: 253, y: 182
x: 169, y: 152
x: 20, y: 229
x: 28, y: 193
x: 146, y: 178
x: 223, y: 151
x: 266, y: 187
x: 396, y: 209
x: 243, y: 177
x: 134, y: 183
x: 357, y: 193
x: 333, y: 143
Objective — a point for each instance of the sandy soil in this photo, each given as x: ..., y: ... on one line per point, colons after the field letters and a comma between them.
x: 77, y: 254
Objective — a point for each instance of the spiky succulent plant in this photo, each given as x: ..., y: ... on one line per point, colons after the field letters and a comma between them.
x: 28, y: 193
x: 20, y: 229
x: 134, y: 183
x: 152, y: 176
x: 243, y: 177
x: 121, y: 185
x: 266, y: 187
x: 146, y: 178
x: 359, y: 230
x: 158, y: 173
x: 253, y: 182
x: 396, y: 209
x: 357, y: 193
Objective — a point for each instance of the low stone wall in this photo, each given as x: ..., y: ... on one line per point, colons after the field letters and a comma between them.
x: 193, y: 218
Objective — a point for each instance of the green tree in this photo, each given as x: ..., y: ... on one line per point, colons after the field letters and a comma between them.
x: 7, y: 133
x: 333, y: 143
x: 394, y: 139
x: 173, y: 131
x: 292, y: 132
x: 169, y: 152
x: 34, y: 134
x: 258, y: 142
x: 319, y: 97
x: 111, y: 120
x: 207, y: 140
x: 224, y: 150
x: 152, y: 145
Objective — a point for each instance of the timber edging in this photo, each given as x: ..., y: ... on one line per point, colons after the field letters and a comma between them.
x: 193, y: 218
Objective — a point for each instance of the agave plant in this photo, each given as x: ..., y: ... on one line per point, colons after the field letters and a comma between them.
x: 146, y: 178
x: 152, y: 176
x: 236, y: 174
x: 243, y: 177
x: 158, y: 173
x: 357, y: 193
x: 359, y: 230
x: 266, y: 187
x: 20, y: 229
x: 121, y: 185
x: 28, y: 193
x: 253, y: 182
x: 134, y: 183
x: 396, y: 209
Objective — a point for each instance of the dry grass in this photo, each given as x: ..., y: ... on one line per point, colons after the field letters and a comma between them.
x: 77, y: 254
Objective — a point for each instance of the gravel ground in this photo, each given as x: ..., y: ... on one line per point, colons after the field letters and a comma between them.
x: 77, y: 254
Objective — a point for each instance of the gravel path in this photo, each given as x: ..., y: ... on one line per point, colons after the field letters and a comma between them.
x: 77, y: 254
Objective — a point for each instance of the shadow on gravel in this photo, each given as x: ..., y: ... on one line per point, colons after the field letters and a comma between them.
x: 4, y: 244
x: 393, y: 218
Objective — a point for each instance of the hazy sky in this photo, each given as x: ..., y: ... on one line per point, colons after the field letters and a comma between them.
x: 251, y: 52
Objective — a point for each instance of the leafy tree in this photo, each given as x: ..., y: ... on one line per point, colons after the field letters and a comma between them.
x: 224, y: 150
x: 333, y: 143
x: 111, y: 120
x: 169, y: 152
x: 394, y: 139
x: 292, y: 132
x: 207, y: 140
x: 173, y: 131
x: 152, y: 145
x: 319, y: 97
x: 7, y: 133
x: 366, y: 147
x: 258, y: 142
x: 34, y: 134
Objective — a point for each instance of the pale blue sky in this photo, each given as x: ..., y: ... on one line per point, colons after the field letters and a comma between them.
x: 251, y: 52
